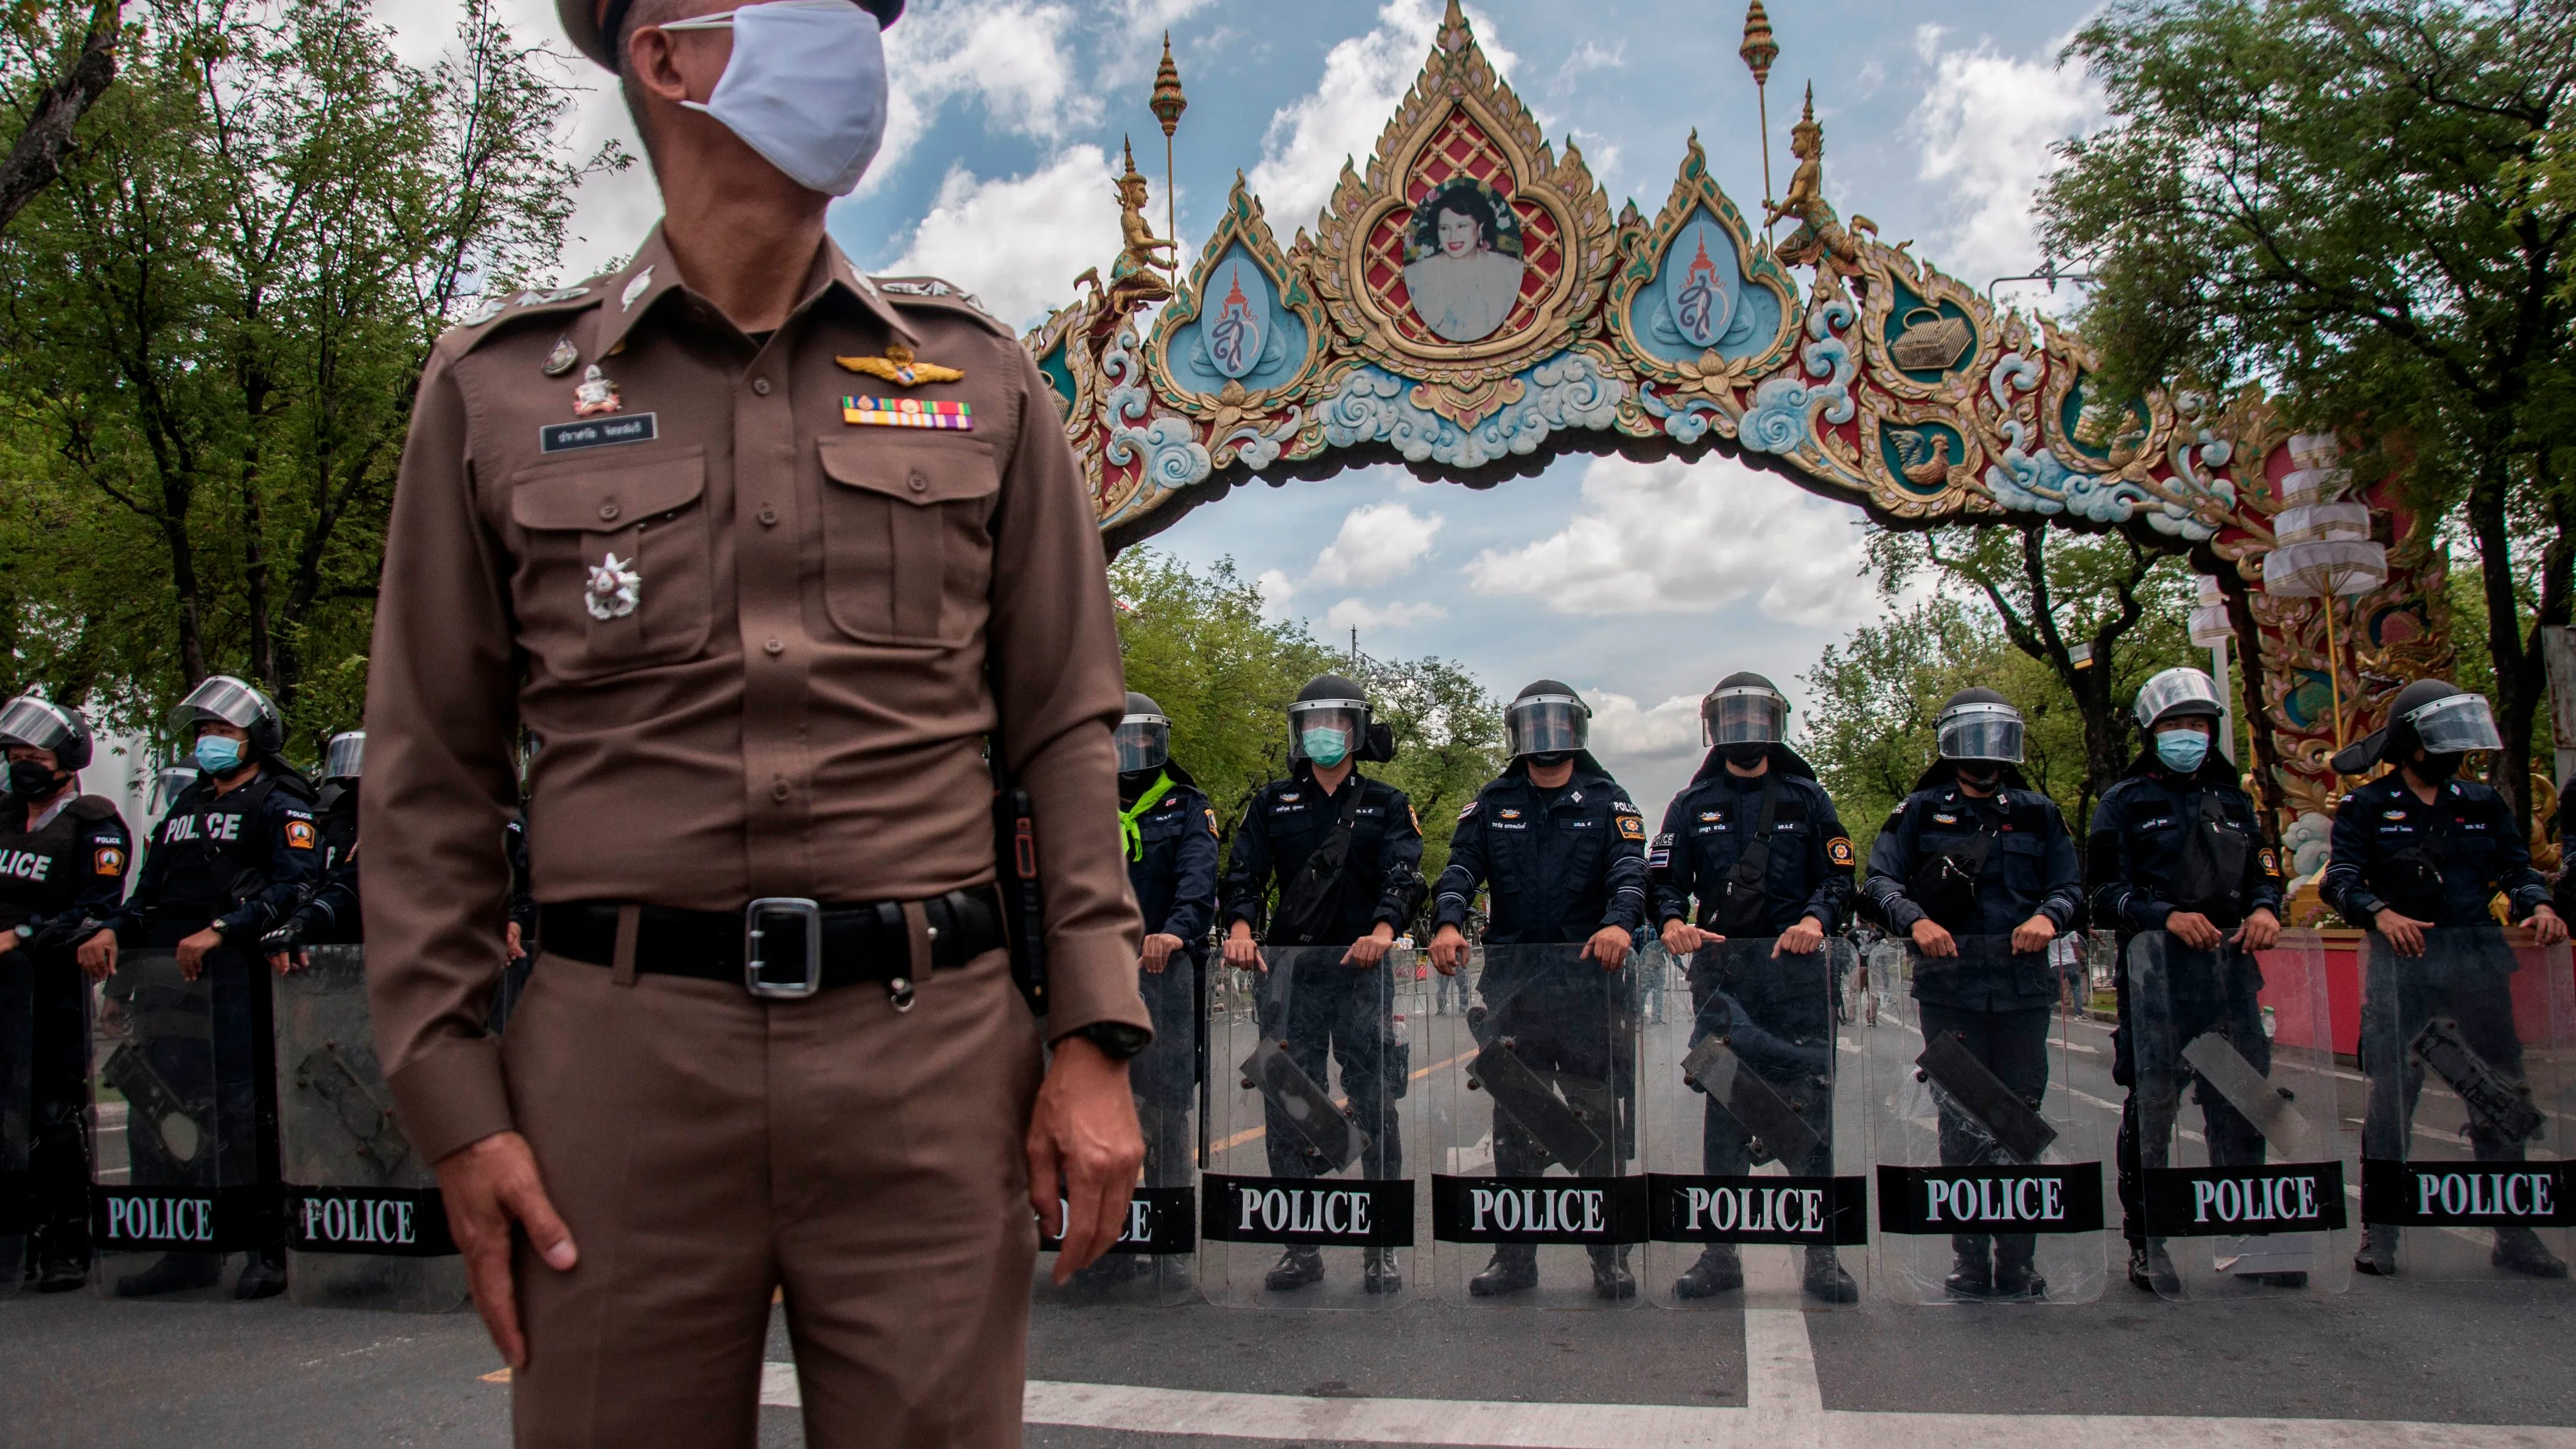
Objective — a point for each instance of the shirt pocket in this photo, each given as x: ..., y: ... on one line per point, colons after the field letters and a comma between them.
x: 907, y: 537
x: 2022, y: 863
x: 651, y: 518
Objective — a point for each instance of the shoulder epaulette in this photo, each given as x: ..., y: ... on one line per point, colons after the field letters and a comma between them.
x: 938, y: 294
x: 93, y: 807
x: 477, y: 320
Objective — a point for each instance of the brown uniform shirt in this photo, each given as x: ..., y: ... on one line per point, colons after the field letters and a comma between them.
x: 825, y: 621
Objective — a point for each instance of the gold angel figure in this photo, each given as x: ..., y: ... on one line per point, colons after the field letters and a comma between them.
x: 1133, y: 279
x: 1820, y: 234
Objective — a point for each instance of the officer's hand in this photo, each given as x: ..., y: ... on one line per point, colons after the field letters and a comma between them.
x: 1931, y: 940
x: 1158, y: 951
x: 1370, y: 949
x: 192, y: 952
x: 1084, y: 1140
x: 1609, y: 946
x: 2405, y: 934
x: 2261, y: 931
x: 1801, y: 939
x: 1240, y: 949
x: 516, y: 946
x: 284, y: 962
x: 2192, y: 929
x: 97, y: 956
x: 1682, y: 938
x: 8, y: 942
x: 1448, y: 949
x: 2034, y: 934
x: 489, y: 1186
x: 2547, y: 928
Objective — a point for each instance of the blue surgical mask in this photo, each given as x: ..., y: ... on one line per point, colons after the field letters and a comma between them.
x: 2182, y: 750
x: 805, y: 87
x: 1326, y: 747
x: 219, y: 755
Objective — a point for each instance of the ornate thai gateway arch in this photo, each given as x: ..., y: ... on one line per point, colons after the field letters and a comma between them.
x: 1470, y: 305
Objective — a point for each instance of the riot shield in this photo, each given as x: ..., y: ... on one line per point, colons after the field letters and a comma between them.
x: 1988, y: 1136
x: 18, y: 1210
x: 2467, y: 1048
x: 1304, y: 1202
x: 1752, y: 1193
x: 365, y: 1227
x: 1537, y: 1189
x: 1152, y: 1261
x: 2241, y: 1152
x: 174, y: 1136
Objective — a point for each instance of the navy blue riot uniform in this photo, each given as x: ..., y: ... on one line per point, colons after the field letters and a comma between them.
x: 1758, y: 854
x: 2469, y: 836
x: 330, y: 915
x: 60, y: 865
x: 2163, y: 842
x: 1323, y: 1004
x: 1978, y: 868
x: 1172, y: 866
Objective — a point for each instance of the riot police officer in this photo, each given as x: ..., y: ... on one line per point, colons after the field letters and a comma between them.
x: 238, y: 850
x: 1565, y: 854
x: 1325, y: 807
x: 2419, y: 850
x: 1974, y: 851
x: 1170, y: 833
x: 329, y: 916
x: 63, y: 857
x: 1757, y: 842
x: 2177, y: 846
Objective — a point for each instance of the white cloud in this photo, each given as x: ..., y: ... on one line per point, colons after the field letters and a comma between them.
x: 1983, y: 129
x: 1276, y: 590
x: 1675, y: 537
x: 1357, y: 614
x: 1622, y: 729
x: 1378, y: 542
x: 1017, y: 242
x: 1365, y: 78
x: 1015, y: 56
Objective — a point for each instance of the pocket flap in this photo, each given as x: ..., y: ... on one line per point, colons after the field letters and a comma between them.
x: 938, y: 468
x: 602, y: 500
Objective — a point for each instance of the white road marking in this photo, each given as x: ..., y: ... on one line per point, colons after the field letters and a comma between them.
x: 1784, y: 1407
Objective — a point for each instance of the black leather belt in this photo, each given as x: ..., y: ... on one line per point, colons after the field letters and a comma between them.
x: 803, y: 946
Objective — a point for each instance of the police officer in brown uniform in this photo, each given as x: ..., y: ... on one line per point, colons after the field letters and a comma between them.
x: 762, y: 552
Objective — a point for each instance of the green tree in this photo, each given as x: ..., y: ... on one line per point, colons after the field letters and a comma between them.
x: 211, y: 328
x: 2348, y: 201
x: 56, y: 60
x: 1448, y: 742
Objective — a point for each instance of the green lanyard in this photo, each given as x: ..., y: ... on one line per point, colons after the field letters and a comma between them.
x: 1127, y: 831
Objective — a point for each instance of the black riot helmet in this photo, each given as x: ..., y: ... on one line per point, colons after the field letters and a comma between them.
x: 1744, y: 709
x: 1547, y: 719
x: 236, y: 703
x: 2433, y: 713
x: 1144, y: 735
x: 45, y: 725
x: 1329, y: 704
x: 1979, y: 725
x: 345, y: 757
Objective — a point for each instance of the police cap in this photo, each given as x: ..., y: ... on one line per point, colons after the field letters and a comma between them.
x: 593, y: 25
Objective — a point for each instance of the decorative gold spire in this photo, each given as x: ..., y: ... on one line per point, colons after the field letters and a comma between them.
x: 1807, y: 119
x: 1168, y: 102
x: 1759, y: 49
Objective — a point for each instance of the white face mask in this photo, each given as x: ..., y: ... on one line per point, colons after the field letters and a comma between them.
x: 806, y: 87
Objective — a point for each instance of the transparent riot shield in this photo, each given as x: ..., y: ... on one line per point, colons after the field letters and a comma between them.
x: 174, y: 1134
x: 1752, y: 1192
x: 1304, y: 1202
x: 365, y: 1227
x: 18, y: 1210
x: 1537, y: 1185
x: 2242, y: 1157
x: 1153, y: 1259
x: 1990, y: 1109
x: 2467, y: 1046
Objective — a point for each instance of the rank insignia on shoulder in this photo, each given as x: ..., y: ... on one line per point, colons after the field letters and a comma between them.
x: 637, y: 286
x: 899, y: 368
x: 908, y: 412
x: 482, y: 312
x: 1839, y: 850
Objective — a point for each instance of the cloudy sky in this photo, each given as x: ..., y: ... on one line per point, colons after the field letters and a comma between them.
x: 1638, y: 584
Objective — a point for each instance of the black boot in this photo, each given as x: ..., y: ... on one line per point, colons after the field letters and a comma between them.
x: 1720, y: 1269
x: 174, y: 1273
x: 2016, y: 1267
x: 1610, y: 1276
x: 2378, y: 1253
x: 1515, y: 1267
x: 1826, y: 1282
x: 1972, y: 1271
x: 1297, y: 1268
x: 264, y: 1276
x: 2151, y: 1269
x: 2519, y: 1250
x: 1380, y: 1272
x: 58, y: 1258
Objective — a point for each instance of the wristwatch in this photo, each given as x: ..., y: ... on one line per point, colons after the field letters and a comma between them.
x: 1119, y: 1040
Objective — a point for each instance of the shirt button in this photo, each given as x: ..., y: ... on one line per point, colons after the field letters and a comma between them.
x: 607, y: 511
x: 917, y: 483
x: 769, y: 518
x: 774, y: 647
x: 760, y: 385
x: 778, y: 789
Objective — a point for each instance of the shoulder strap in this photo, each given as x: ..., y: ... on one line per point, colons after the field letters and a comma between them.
x: 92, y: 807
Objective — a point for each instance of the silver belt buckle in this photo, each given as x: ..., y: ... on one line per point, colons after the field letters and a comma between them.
x: 752, y: 962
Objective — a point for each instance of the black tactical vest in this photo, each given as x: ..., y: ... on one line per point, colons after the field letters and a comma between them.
x: 211, y: 853
x: 41, y: 871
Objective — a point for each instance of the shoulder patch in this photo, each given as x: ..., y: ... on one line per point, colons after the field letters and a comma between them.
x: 1839, y: 851
x: 1469, y: 809
x: 939, y: 295
x: 1416, y: 819
x: 2271, y: 863
x: 108, y: 860
x: 1630, y: 826
x: 299, y: 834
x: 1211, y: 815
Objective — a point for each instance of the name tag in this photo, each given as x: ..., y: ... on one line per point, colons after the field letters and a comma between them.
x: 597, y: 433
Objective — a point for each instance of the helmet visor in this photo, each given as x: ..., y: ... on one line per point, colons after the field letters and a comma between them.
x: 2186, y: 690
x: 28, y: 720
x: 1144, y: 742
x: 221, y: 698
x: 168, y: 785
x: 2455, y: 726
x: 1348, y: 717
x: 1982, y: 732
x: 346, y: 752
x: 1547, y: 724
x: 1743, y: 716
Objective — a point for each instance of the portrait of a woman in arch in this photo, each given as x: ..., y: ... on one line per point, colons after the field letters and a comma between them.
x: 1463, y: 260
